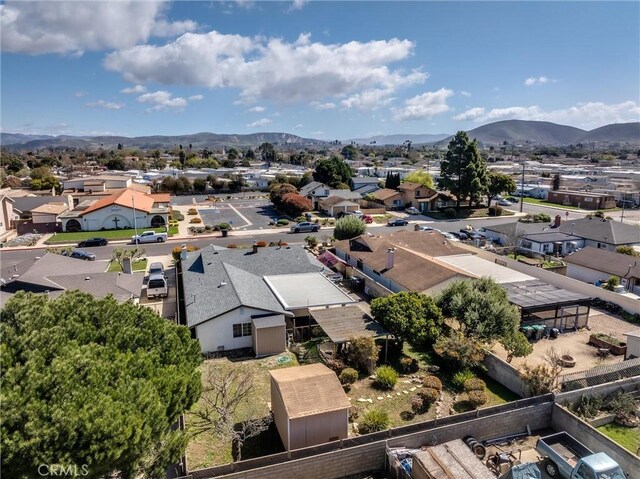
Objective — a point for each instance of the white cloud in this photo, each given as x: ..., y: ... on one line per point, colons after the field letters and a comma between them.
x: 369, y: 99
x: 424, y: 106
x: 257, y: 109
x: 80, y: 93
x: 584, y: 115
x: 134, y: 89
x: 298, y: 126
x: 270, y: 68
x: 465, y: 93
x: 105, y: 105
x: 73, y: 27
x: 259, y: 123
x: 298, y: 4
x: 470, y: 114
x: 163, y: 100
x: 323, y: 106
x: 536, y: 81
x: 196, y: 97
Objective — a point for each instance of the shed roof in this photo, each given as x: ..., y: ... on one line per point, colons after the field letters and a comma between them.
x: 309, y: 390
x: 537, y: 294
x: 605, y: 261
x: 479, y: 267
x: 51, y: 208
x: 347, y: 322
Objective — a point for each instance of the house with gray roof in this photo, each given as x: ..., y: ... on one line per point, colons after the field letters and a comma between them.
x: 238, y: 298
x: 603, y: 233
x: 314, y: 192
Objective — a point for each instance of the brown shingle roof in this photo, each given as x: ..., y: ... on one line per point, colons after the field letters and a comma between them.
x: 408, y: 185
x: 143, y: 202
x: 308, y: 390
x: 385, y: 193
x: 51, y: 208
x: 161, y: 197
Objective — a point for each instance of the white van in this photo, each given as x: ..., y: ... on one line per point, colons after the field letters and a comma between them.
x: 157, y: 286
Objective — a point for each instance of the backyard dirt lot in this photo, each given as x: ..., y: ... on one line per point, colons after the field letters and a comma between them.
x: 575, y: 344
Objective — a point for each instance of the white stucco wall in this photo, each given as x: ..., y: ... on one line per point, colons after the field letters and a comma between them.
x: 219, y: 331
x: 587, y: 275
x: 103, y: 218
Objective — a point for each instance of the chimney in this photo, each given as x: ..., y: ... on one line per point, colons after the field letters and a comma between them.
x: 557, y: 221
x: 183, y: 252
x: 391, y: 252
x: 255, y: 247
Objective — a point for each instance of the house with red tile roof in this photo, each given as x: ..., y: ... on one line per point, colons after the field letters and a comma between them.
x: 126, y: 208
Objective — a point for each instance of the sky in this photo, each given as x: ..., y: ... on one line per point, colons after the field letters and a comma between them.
x: 317, y: 69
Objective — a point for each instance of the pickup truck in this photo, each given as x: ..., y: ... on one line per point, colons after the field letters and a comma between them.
x: 567, y: 458
x: 149, y: 237
x: 305, y: 227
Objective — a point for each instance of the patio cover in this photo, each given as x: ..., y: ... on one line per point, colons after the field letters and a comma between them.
x: 329, y: 259
x: 342, y: 324
x: 299, y: 291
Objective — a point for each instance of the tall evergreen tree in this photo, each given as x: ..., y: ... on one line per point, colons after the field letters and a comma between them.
x: 463, y: 171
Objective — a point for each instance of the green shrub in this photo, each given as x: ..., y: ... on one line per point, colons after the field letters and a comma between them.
x: 431, y: 381
x: 460, y: 378
x: 175, y: 252
x: 282, y: 222
x: 474, y: 384
x: 477, y: 398
x: 224, y: 226
x: 374, y: 420
x: 349, y: 227
x: 177, y: 215
x: 386, y: 377
x: 348, y: 376
x: 409, y: 365
x: 430, y: 395
x: 450, y: 213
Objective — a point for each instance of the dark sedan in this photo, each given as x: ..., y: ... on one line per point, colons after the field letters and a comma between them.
x: 397, y: 222
x: 79, y: 254
x: 93, y: 242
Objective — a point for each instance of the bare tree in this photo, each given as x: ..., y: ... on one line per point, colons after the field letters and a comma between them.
x: 119, y: 255
x: 224, y: 391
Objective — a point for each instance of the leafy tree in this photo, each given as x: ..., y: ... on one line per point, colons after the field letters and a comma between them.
x: 350, y: 152
x: 625, y: 249
x: 267, y: 153
x: 233, y: 154
x: 199, y: 185
x: 115, y: 164
x: 88, y: 381
x: 237, y: 183
x: 516, y: 345
x: 349, y: 227
x: 12, y: 165
x: 277, y: 192
x: 481, y: 308
x: 45, y: 183
x: 499, y: 183
x: 611, y: 283
x: 556, y: 182
x: 362, y: 354
x: 459, y: 352
x: 392, y: 181
x: 40, y: 173
x: 332, y: 172
x: 294, y: 205
x: 463, y: 171
x: 421, y: 177
x: 409, y: 316
x: 182, y: 157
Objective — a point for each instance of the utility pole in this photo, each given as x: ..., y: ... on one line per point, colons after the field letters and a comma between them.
x: 135, y: 223
x: 522, y: 188
x: 624, y: 197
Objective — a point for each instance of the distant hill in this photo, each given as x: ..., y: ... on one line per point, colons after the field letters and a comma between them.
x: 521, y: 132
x: 399, y: 139
x: 615, y: 133
x: 197, y: 140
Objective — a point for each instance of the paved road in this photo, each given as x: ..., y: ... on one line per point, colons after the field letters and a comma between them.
x: 630, y: 216
x: 10, y: 258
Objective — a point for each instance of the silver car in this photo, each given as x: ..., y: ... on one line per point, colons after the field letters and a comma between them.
x: 305, y: 227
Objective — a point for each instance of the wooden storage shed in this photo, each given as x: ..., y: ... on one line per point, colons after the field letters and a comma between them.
x: 309, y: 406
x: 269, y: 335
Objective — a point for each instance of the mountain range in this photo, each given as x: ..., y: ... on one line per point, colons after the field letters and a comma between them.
x: 513, y: 132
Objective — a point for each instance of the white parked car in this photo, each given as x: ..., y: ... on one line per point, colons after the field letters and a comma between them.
x: 149, y: 237
x: 412, y: 210
x: 504, y: 203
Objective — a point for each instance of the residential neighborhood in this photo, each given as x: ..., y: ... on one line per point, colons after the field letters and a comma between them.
x: 359, y: 240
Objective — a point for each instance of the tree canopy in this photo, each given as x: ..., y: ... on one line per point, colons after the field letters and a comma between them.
x: 409, y: 316
x: 349, y: 227
x: 93, y: 382
x: 481, y: 308
x: 497, y: 184
x: 463, y: 171
x: 421, y: 177
x: 267, y: 153
x: 332, y: 172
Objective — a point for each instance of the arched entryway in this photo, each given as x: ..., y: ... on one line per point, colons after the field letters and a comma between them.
x: 157, y: 221
x: 73, y: 226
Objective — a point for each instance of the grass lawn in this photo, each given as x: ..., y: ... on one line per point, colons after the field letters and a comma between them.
x: 627, y: 437
x: 467, y: 213
x: 536, y: 201
x: 207, y: 449
x: 108, y: 234
x: 140, y: 265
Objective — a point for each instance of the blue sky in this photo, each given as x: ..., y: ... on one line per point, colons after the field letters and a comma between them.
x: 331, y: 70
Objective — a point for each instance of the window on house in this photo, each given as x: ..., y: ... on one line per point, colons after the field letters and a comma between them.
x: 418, y: 194
x: 241, y: 329
x: 526, y: 244
x: 602, y: 245
x: 588, y: 199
